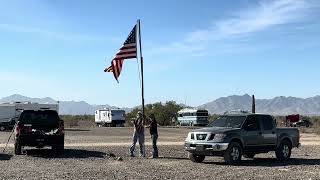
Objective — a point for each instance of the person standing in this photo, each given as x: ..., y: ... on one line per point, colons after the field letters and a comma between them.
x: 138, y: 135
x: 154, y: 135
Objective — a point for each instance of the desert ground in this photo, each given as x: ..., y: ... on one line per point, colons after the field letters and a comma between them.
x: 102, y: 153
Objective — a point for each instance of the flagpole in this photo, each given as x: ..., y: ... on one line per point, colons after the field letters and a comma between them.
x: 141, y: 60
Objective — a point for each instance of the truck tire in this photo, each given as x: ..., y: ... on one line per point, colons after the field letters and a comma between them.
x: 17, y: 148
x: 196, y: 158
x: 2, y: 128
x: 233, y: 154
x: 283, y: 152
x: 249, y: 155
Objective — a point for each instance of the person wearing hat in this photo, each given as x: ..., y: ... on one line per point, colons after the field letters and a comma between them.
x: 138, y: 135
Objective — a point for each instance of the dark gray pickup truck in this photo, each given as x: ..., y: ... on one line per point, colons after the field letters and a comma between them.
x: 234, y: 135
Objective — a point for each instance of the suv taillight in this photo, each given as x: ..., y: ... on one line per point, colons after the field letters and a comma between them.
x: 61, y: 128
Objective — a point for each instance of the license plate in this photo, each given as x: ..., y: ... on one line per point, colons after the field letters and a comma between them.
x: 39, y: 140
x: 199, y: 148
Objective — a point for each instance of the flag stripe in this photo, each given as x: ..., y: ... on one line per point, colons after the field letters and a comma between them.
x: 127, y: 50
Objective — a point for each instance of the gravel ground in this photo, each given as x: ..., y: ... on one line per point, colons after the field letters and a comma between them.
x: 96, y: 163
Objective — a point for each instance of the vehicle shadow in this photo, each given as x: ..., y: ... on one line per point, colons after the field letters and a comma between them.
x: 5, y: 157
x: 67, y: 153
x: 176, y: 158
x: 71, y: 129
x: 272, y: 162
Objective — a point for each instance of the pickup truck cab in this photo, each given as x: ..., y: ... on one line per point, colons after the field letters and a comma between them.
x: 234, y: 135
x: 39, y: 129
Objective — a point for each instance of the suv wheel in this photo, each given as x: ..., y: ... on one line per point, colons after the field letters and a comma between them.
x: 283, y: 152
x: 196, y: 158
x: 233, y: 154
x: 249, y: 155
x: 17, y: 148
x: 2, y: 128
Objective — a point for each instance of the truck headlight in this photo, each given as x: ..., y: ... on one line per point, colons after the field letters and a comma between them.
x: 219, y: 136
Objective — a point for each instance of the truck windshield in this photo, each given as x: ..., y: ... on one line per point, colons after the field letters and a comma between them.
x: 228, y: 121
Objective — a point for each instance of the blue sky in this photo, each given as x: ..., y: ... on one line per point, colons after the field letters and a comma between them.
x: 194, y: 51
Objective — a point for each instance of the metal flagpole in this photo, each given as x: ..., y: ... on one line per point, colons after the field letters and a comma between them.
x: 141, y: 60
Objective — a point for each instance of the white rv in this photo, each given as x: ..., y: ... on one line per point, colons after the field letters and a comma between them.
x: 110, y: 117
x: 9, y: 112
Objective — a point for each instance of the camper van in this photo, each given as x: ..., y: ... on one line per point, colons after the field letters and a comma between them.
x: 193, y: 117
x: 110, y: 117
x: 10, y: 112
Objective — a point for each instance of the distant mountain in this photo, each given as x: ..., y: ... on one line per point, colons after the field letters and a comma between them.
x: 279, y: 105
x: 65, y: 107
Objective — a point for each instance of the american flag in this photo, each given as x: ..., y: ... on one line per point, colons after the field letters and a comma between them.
x: 127, y: 51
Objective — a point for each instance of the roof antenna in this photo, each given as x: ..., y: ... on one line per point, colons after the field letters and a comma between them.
x: 253, y: 104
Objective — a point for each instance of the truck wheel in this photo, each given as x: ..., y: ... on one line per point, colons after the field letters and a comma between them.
x: 249, y: 155
x: 196, y: 158
x: 283, y: 152
x: 2, y: 128
x: 233, y: 154
x: 17, y: 148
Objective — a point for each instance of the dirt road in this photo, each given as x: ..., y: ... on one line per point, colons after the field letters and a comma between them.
x: 87, y: 156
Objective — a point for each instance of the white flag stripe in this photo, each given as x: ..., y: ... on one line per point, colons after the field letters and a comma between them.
x: 125, y: 55
x: 127, y: 50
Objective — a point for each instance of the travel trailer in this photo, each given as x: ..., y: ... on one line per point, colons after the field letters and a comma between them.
x: 10, y: 112
x: 110, y: 117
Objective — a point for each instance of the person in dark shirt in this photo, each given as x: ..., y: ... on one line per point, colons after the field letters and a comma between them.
x: 154, y: 135
x: 138, y: 135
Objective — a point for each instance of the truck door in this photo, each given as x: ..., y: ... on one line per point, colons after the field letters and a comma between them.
x: 252, y: 132
x: 269, y: 136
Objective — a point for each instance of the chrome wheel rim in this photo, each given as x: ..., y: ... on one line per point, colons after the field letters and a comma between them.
x: 285, y: 150
x: 235, y: 152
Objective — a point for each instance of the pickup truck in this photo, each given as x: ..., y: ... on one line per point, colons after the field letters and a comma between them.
x: 39, y: 129
x: 247, y: 134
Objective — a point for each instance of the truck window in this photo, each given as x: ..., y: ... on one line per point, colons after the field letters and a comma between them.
x: 252, y: 124
x: 267, y: 122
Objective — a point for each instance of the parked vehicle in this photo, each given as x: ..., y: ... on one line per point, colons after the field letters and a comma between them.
x: 302, y: 123
x: 247, y: 134
x: 39, y: 129
x: 193, y: 117
x: 9, y: 112
x: 110, y: 117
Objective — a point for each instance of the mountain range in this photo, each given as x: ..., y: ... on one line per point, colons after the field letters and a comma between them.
x: 65, y: 107
x: 280, y: 105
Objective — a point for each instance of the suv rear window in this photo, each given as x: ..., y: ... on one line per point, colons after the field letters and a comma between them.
x: 40, y: 118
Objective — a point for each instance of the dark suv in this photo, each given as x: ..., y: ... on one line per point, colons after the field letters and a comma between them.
x: 39, y: 129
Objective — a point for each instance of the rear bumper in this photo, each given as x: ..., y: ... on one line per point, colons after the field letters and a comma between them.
x: 208, y: 149
x: 40, y: 140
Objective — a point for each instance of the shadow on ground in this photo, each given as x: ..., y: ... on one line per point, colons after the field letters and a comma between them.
x: 175, y: 158
x: 5, y: 157
x: 67, y: 153
x: 272, y: 162
x: 74, y: 129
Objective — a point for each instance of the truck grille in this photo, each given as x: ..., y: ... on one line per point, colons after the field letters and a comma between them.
x: 201, y: 136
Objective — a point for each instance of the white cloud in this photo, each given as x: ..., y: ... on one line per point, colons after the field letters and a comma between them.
x: 242, y: 24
